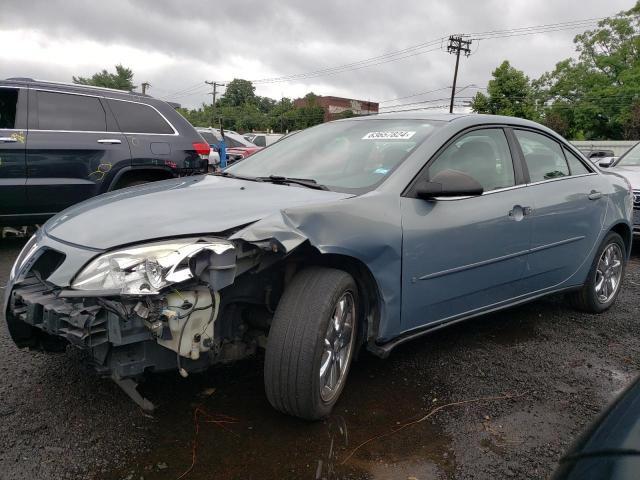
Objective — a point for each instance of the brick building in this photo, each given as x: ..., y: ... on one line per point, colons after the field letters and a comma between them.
x: 334, y: 106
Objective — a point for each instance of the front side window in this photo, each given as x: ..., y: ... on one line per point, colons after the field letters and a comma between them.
x: 138, y: 118
x: 483, y: 155
x: 631, y: 158
x: 543, y: 156
x: 62, y: 111
x: 347, y: 156
x: 8, y: 107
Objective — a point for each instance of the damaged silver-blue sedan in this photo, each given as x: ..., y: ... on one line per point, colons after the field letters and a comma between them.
x: 357, y: 233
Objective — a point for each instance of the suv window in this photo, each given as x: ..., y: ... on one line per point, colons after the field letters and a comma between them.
x: 482, y: 154
x: 63, y: 111
x: 8, y: 103
x: 543, y: 156
x: 576, y: 167
x: 259, y: 140
x: 138, y: 118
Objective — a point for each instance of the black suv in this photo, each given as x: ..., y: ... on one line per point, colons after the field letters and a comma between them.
x: 63, y: 143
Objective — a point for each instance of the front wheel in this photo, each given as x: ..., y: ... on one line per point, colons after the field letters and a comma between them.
x: 605, y: 277
x: 311, y: 343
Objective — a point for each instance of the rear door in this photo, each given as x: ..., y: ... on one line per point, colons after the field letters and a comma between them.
x: 73, y: 149
x: 152, y: 139
x: 568, y: 211
x: 13, y: 167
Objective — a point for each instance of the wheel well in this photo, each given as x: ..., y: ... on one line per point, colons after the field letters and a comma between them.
x: 367, y: 286
x: 624, y: 231
x: 150, y: 175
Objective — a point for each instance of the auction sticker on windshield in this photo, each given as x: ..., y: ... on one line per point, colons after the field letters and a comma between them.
x: 395, y: 135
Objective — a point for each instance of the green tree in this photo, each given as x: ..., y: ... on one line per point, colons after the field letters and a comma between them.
x: 508, y: 93
x: 596, y: 94
x: 121, y: 80
x: 310, y: 114
x: 238, y: 92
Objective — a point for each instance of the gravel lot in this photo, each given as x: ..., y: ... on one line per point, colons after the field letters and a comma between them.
x: 559, y: 366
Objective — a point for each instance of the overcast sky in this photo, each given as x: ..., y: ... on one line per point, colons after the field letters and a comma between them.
x: 176, y: 45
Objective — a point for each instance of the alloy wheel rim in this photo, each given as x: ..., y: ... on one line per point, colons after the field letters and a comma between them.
x: 337, y: 346
x: 608, y: 273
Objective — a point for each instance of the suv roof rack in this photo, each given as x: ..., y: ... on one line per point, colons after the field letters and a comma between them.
x: 71, y: 84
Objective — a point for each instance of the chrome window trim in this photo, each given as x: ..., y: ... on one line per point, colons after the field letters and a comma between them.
x: 514, y: 187
x: 174, y: 134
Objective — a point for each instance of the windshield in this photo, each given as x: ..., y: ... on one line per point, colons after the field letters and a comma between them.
x: 349, y: 156
x: 631, y: 158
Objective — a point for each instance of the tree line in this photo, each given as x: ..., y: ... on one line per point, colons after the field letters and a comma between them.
x: 595, y: 96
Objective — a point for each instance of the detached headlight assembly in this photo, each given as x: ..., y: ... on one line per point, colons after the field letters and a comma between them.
x: 147, y: 269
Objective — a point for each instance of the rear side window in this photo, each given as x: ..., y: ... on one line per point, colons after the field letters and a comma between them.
x: 230, y: 142
x: 209, y: 138
x: 8, y: 104
x: 576, y: 167
x: 543, y: 156
x: 260, y: 141
x: 139, y: 118
x: 62, y: 111
x: 481, y: 154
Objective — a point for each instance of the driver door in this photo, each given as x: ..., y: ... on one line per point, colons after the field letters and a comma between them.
x: 461, y: 255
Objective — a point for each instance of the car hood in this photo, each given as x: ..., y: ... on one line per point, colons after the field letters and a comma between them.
x: 186, y: 206
x: 630, y: 173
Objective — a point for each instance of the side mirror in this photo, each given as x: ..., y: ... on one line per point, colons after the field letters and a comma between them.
x: 605, y: 163
x: 449, y: 183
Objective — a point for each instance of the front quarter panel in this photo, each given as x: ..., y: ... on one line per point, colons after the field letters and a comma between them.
x: 367, y: 228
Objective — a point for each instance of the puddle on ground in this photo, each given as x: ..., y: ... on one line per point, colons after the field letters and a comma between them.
x: 241, y: 436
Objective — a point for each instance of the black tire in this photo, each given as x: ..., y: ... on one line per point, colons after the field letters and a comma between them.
x: 295, y: 345
x: 586, y: 299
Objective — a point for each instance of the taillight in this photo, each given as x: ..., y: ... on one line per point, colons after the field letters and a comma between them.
x: 201, y: 148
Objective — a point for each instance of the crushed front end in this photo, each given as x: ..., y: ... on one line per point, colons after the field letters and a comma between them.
x: 153, y: 307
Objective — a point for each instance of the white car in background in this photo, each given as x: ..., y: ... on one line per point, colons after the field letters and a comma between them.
x: 212, y: 137
x: 263, y: 139
x: 628, y: 165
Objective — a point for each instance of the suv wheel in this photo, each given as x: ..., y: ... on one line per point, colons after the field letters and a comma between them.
x: 311, y: 343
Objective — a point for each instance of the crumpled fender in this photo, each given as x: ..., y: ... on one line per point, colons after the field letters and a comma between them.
x: 367, y: 228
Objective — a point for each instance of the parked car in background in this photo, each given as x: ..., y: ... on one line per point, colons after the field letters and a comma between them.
x: 238, y: 147
x: 610, y: 448
x: 596, y: 154
x: 263, y: 139
x: 63, y: 143
x: 212, y: 137
x: 363, y: 232
x: 628, y: 165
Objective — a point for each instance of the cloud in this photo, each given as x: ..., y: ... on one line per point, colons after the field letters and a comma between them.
x: 177, y: 45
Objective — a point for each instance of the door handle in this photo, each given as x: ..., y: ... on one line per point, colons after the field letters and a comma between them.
x: 8, y: 140
x: 594, y: 195
x: 518, y: 212
x: 109, y: 141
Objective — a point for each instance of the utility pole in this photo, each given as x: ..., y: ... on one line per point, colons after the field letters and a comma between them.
x: 457, y: 45
x: 145, y: 85
x: 213, y: 94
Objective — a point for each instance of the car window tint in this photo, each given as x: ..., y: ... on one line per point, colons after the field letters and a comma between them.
x: 482, y: 154
x: 61, y: 111
x: 230, y: 142
x: 138, y: 118
x: 576, y: 167
x: 260, y: 141
x: 208, y: 136
x: 8, y: 103
x: 542, y: 155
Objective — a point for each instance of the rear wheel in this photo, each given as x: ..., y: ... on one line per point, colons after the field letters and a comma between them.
x: 311, y: 343
x: 605, y: 277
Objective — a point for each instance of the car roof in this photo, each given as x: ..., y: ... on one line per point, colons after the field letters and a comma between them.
x: 71, y: 87
x: 459, y: 120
